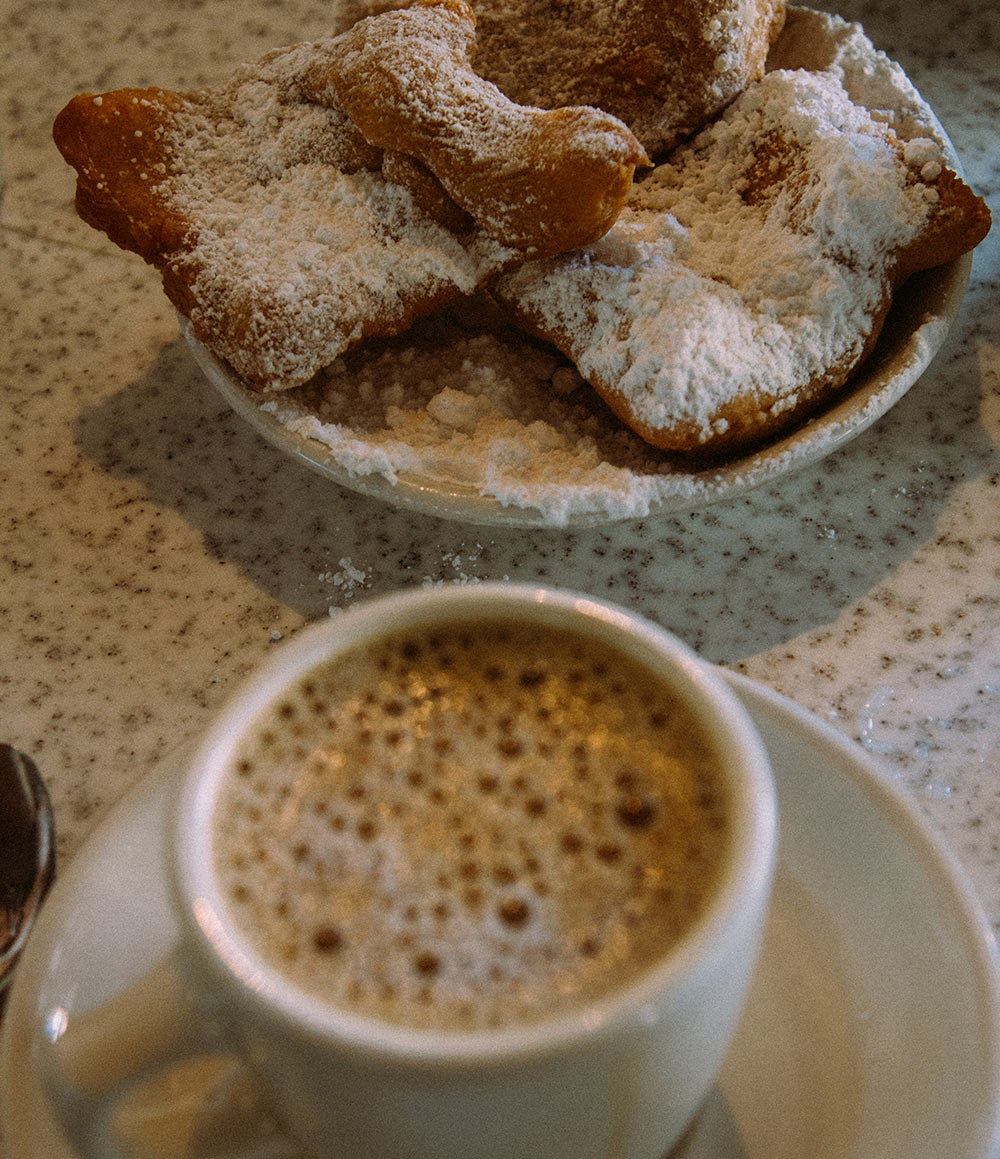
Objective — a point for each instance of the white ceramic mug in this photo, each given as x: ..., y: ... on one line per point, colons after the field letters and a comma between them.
x: 620, y: 1077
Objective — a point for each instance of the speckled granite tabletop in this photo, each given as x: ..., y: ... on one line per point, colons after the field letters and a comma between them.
x: 153, y: 549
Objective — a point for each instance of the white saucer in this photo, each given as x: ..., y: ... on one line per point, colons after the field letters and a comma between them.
x: 872, y: 1030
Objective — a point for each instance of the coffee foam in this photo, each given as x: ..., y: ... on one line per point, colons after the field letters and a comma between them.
x: 472, y: 827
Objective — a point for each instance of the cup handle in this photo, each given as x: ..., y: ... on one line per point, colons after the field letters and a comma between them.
x: 95, y: 1059
x: 148, y: 1025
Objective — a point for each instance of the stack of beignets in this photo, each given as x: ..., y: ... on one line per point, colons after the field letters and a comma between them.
x: 268, y: 212
x: 341, y: 189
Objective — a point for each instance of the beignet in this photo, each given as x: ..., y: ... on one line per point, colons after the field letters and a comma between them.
x: 750, y: 274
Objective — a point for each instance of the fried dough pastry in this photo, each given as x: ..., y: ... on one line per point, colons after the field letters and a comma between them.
x: 539, y: 181
x: 285, y: 235
x: 665, y: 69
x: 749, y: 276
x: 266, y: 213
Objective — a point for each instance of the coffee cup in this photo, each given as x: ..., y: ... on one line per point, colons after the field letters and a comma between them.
x: 471, y: 871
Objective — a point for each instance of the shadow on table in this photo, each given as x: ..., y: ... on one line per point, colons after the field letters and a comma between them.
x: 732, y: 579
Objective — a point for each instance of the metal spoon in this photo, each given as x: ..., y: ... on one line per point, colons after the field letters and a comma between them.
x: 27, y: 853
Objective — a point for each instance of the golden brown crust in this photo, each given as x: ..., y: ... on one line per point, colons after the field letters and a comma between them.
x: 428, y: 193
x: 114, y: 141
x: 960, y: 220
x: 542, y: 182
x: 664, y: 69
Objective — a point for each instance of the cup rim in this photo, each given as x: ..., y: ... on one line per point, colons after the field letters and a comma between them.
x: 744, y: 879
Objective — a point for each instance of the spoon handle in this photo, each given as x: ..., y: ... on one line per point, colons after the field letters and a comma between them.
x: 27, y: 851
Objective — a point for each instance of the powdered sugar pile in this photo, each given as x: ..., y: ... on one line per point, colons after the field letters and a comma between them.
x: 467, y: 401
x: 823, y: 43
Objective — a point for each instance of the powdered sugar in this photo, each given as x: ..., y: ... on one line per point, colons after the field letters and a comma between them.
x: 824, y: 43
x: 466, y: 401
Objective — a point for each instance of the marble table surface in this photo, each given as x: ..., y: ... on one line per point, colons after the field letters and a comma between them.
x: 153, y: 549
